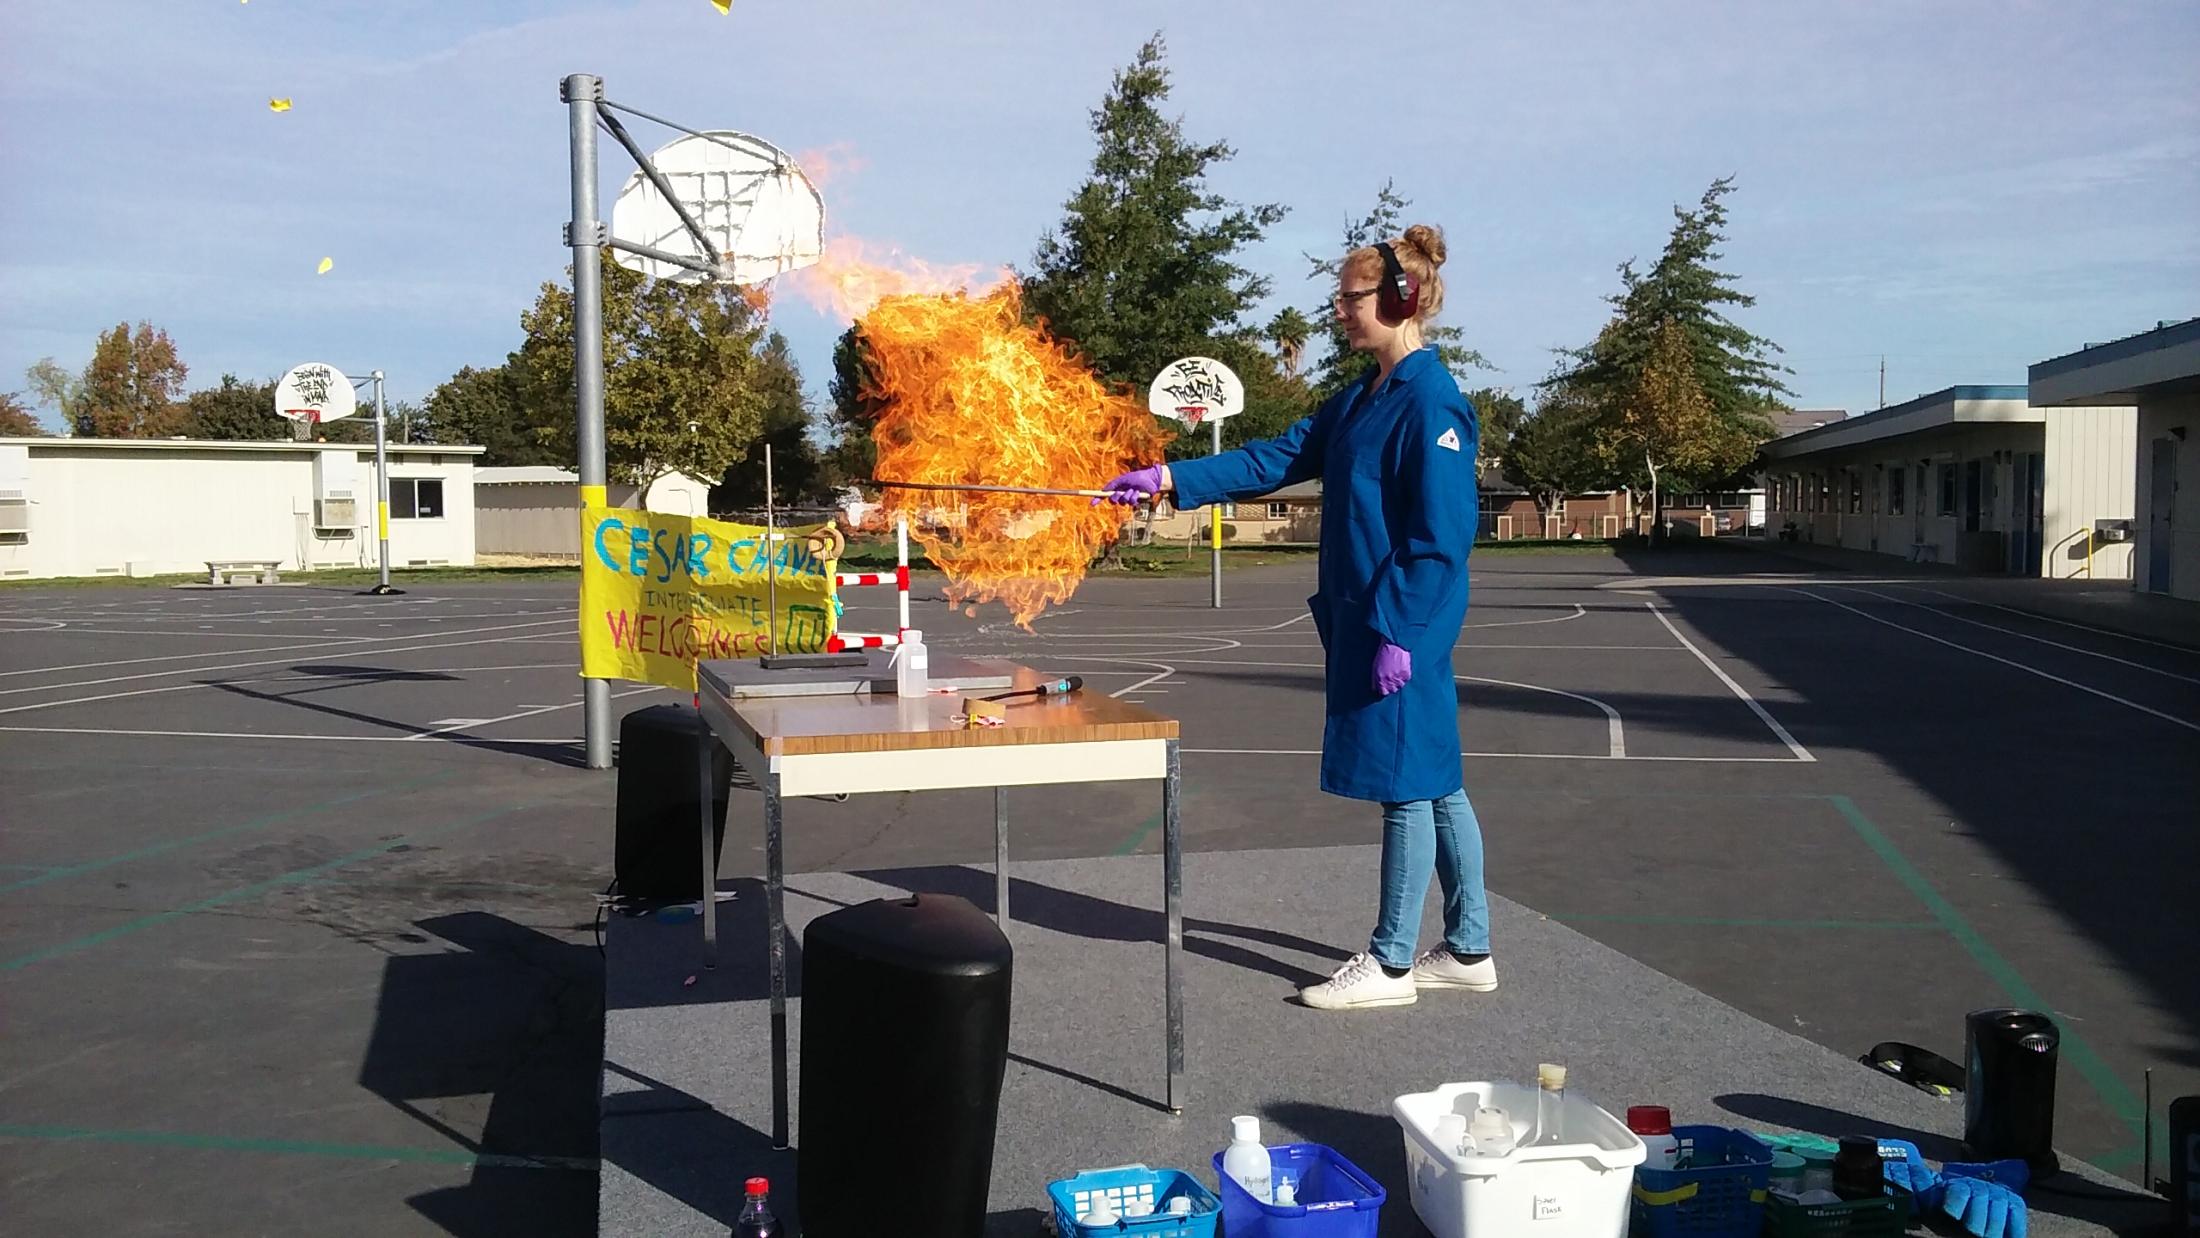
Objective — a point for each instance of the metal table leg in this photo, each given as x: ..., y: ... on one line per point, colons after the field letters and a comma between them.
x: 704, y: 743
x: 1000, y: 855
x: 1172, y: 880
x: 775, y: 920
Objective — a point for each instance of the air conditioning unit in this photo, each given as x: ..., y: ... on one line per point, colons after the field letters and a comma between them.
x: 335, y: 514
x: 15, y: 516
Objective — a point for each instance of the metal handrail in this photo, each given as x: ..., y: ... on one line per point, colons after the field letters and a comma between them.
x: 2087, y: 533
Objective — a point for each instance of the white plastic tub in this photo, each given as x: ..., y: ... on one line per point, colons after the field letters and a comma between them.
x: 1577, y: 1189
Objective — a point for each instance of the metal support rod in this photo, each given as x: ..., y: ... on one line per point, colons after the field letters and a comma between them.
x: 641, y: 158
x: 1000, y: 856
x: 381, y: 484
x: 704, y: 742
x: 757, y: 148
x: 1172, y: 892
x: 1214, y: 523
x: 775, y: 924
x: 958, y: 486
x: 771, y: 560
x: 711, y: 269
x: 582, y: 93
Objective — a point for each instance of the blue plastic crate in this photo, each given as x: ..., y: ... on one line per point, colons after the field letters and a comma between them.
x: 1336, y: 1198
x: 1072, y: 1198
x: 1720, y: 1193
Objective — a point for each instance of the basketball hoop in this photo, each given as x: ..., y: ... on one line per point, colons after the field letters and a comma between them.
x: 1191, y: 414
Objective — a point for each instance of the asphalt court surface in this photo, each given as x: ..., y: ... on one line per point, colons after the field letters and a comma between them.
x: 297, y: 885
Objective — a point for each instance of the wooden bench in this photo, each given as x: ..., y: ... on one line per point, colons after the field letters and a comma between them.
x: 225, y: 571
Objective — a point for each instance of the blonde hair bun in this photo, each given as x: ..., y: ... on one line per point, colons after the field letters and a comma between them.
x: 1429, y: 240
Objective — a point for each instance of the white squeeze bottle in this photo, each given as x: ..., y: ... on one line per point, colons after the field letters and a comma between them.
x: 1245, y: 1161
x: 912, y: 669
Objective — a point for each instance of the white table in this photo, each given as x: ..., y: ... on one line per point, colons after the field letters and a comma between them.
x: 859, y: 742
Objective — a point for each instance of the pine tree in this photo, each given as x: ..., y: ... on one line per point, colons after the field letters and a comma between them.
x: 234, y: 410
x: 1143, y: 268
x: 1665, y: 420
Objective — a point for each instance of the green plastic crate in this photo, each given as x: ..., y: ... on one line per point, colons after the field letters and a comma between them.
x: 1856, y: 1218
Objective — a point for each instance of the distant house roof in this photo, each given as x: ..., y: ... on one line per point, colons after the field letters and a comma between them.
x: 1795, y: 421
x: 1298, y: 490
x: 526, y: 475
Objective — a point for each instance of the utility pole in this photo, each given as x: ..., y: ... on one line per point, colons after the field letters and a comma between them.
x: 1882, y: 380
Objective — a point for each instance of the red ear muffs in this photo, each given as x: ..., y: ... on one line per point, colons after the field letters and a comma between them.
x: 1398, y: 297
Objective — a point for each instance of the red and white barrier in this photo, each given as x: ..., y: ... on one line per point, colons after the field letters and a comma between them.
x: 898, y: 578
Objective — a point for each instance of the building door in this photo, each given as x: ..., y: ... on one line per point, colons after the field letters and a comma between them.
x: 2161, y: 507
x: 1974, y: 494
x: 2028, y: 519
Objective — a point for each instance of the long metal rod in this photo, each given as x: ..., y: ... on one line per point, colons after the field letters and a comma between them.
x: 704, y: 742
x: 771, y: 560
x: 1172, y: 893
x: 1000, y: 856
x: 758, y: 148
x: 583, y: 92
x: 381, y: 484
x: 711, y: 269
x: 641, y: 158
x: 928, y: 485
x: 775, y: 924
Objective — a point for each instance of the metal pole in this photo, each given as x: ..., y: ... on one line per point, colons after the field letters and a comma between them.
x: 381, y: 485
x: 1000, y: 856
x: 1214, y: 523
x: 1172, y: 896
x: 705, y: 742
x: 771, y: 561
x: 586, y: 235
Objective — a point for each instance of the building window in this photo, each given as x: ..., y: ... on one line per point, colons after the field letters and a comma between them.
x: 1897, y: 487
x: 1947, y: 489
x: 416, y: 498
x: 1856, y: 492
x: 1279, y: 511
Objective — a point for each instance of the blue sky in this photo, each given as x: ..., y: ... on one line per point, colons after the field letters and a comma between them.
x: 1966, y: 188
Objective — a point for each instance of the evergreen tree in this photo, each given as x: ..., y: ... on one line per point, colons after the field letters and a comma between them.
x: 1498, y: 414
x: 798, y: 468
x: 1143, y: 268
x: 484, y: 408
x: 234, y: 410
x: 1552, y: 451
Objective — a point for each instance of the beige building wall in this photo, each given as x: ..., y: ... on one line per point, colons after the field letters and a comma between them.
x: 2089, y: 479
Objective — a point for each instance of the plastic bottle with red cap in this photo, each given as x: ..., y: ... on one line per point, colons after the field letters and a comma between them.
x: 1653, y: 1124
x: 756, y: 1219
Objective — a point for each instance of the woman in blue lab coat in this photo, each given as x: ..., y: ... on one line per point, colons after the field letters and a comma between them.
x: 1395, y: 453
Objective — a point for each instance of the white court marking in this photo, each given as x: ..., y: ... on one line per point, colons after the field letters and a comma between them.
x: 415, y: 737
x: 1801, y: 753
x: 345, y: 645
x: 1995, y: 657
x: 2082, y: 627
x: 1945, y: 613
x: 1579, y: 611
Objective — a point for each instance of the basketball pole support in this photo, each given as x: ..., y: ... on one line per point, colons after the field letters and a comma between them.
x: 586, y: 235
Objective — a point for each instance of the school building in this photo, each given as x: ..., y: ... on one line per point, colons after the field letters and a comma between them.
x: 1977, y: 476
x: 148, y: 507
x: 535, y: 509
x: 2153, y: 378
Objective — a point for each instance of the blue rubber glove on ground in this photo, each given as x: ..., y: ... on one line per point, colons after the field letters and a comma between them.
x: 1133, y: 486
x: 1986, y: 1208
x: 1906, y: 1167
x: 1393, y: 667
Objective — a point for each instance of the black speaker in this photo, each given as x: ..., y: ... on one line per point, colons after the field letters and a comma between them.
x: 904, y: 1044
x: 656, y: 846
x: 2009, y: 1059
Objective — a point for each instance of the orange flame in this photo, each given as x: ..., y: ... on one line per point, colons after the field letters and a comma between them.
x: 973, y: 395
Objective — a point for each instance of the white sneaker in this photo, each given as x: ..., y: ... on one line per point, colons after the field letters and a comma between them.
x: 1441, y: 969
x: 1360, y: 984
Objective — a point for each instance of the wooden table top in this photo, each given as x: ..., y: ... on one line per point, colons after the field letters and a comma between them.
x: 809, y: 725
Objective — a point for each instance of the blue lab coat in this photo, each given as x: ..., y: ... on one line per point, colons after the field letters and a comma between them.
x: 1399, y: 512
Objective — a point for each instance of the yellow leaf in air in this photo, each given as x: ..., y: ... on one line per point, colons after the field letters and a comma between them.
x: 723, y: 6
x: 278, y: 105
x: 327, y: 265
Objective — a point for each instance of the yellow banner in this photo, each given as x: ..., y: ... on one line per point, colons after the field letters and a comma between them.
x: 660, y: 593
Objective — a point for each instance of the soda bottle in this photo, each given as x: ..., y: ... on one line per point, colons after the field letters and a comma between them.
x: 756, y: 1219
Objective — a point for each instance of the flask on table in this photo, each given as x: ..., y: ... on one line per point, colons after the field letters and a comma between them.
x: 1550, y: 1104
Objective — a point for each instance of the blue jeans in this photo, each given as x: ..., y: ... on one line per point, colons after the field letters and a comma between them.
x: 1419, y: 835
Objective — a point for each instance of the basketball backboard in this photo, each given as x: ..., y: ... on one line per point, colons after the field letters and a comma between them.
x: 1196, y: 390
x: 315, y: 392
x: 761, y: 214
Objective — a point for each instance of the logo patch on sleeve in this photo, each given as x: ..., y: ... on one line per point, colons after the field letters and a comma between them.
x: 1449, y: 438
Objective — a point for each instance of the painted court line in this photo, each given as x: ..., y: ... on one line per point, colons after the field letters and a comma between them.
x: 345, y: 645
x: 2032, y: 615
x: 1945, y: 613
x: 1995, y: 657
x: 1801, y: 753
x: 270, y: 735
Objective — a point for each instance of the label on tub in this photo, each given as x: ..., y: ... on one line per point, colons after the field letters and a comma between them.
x: 1547, y: 1208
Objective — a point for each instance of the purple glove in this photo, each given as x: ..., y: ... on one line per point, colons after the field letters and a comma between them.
x: 1133, y: 486
x: 1393, y: 666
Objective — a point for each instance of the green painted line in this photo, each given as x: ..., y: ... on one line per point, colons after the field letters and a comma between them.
x: 1138, y: 836
x: 1717, y: 922
x: 29, y: 868
x: 2106, y: 1085
x: 293, y: 1147
x: 293, y: 877
x: 243, y: 827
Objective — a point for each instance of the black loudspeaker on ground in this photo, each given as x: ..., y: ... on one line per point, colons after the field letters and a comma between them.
x: 657, y: 850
